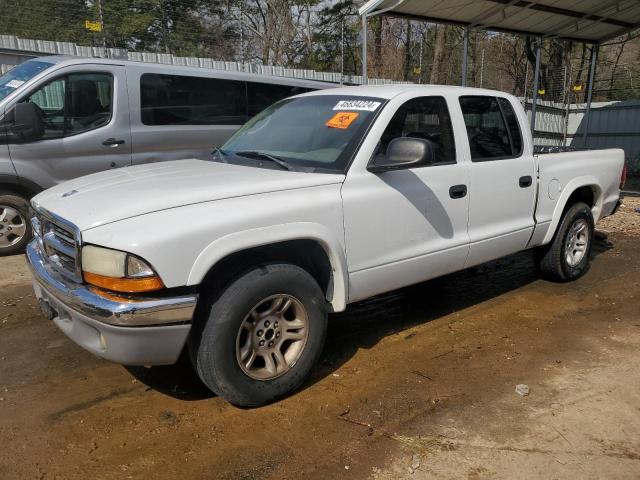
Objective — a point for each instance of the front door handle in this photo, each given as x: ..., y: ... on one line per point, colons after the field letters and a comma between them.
x: 458, y: 191
x: 525, y: 181
x: 112, y: 142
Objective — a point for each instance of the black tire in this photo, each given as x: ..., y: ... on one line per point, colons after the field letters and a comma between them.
x: 551, y: 258
x: 212, y: 344
x: 20, y: 204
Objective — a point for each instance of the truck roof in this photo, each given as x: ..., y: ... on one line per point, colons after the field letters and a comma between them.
x: 390, y: 91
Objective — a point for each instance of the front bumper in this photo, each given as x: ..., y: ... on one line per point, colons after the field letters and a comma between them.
x: 130, y: 331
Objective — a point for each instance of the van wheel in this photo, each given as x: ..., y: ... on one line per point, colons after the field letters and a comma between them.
x: 566, y: 258
x: 262, y: 336
x: 15, y: 228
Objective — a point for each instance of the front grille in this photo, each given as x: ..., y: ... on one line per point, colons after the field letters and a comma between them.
x: 60, y: 241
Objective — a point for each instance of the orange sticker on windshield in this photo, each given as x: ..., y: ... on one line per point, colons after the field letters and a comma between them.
x: 342, y: 120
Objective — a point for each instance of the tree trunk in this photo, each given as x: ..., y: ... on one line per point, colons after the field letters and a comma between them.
x: 613, y: 70
x: 407, y: 53
x: 377, y: 46
x: 438, y: 51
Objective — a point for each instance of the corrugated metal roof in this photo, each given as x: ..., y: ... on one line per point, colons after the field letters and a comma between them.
x: 592, y: 21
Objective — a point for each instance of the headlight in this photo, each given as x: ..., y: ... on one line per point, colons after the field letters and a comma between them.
x: 118, y: 271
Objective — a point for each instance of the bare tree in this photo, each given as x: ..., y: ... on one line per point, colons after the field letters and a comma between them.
x: 438, y: 54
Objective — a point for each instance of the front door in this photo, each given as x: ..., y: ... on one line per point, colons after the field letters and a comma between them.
x: 86, y: 119
x: 503, y: 179
x: 406, y: 226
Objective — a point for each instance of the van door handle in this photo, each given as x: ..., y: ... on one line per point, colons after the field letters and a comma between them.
x: 112, y: 142
x: 458, y: 191
x: 525, y: 181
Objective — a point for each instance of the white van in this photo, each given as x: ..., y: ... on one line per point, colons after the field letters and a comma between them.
x: 65, y: 117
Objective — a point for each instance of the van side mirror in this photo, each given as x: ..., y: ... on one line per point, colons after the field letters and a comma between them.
x: 28, y: 124
x: 404, y: 152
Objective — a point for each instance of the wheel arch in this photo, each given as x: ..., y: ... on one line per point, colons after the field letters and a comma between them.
x: 19, y: 186
x: 582, y: 189
x: 310, y: 246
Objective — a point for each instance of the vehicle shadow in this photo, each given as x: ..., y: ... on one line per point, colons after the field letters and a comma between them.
x: 366, y: 323
x: 178, y: 381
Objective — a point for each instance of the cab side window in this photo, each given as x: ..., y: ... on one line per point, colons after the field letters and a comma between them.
x: 75, y: 103
x: 490, y: 138
x: 427, y: 118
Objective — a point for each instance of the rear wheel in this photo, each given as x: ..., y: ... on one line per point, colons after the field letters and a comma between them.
x: 15, y: 229
x: 262, y: 336
x: 566, y: 258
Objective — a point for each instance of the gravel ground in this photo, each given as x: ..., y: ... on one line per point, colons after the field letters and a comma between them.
x: 416, y: 384
x: 626, y: 221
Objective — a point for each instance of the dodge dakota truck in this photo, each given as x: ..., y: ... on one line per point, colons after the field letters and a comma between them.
x: 319, y: 201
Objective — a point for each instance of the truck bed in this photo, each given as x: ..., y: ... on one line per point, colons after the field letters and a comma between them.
x: 562, y: 173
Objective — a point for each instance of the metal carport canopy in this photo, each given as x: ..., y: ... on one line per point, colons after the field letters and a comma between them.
x: 586, y: 21
x: 589, y: 21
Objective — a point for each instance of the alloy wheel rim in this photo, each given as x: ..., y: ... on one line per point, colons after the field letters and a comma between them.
x: 13, y: 226
x: 272, y: 337
x: 577, y: 242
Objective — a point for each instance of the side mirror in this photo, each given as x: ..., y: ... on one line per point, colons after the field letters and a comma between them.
x: 404, y: 152
x: 27, y: 122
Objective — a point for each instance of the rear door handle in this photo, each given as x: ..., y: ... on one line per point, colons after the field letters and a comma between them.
x: 112, y: 142
x: 525, y: 181
x: 458, y: 191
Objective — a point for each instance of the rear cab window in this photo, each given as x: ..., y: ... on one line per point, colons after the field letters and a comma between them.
x: 492, y: 128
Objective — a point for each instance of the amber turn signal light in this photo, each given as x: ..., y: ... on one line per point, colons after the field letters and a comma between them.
x: 124, y: 285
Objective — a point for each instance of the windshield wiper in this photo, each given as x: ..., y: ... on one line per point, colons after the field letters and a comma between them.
x: 266, y: 156
x: 220, y: 153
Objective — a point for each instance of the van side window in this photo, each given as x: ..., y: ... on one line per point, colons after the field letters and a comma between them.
x: 183, y: 100
x: 75, y: 103
x: 489, y: 137
x: 262, y: 95
x: 427, y: 118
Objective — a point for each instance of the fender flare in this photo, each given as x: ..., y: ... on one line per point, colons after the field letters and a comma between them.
x: 567, y: 191
x: 256, y: 237
x: 21, y: 184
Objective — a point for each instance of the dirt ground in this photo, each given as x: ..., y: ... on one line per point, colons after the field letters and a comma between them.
x: 419, y: 383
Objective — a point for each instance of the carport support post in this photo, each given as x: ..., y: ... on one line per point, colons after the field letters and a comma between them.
x: 536, y: 78
x: 592, y: 76
x: 364, y: 49
x: 465, y: 52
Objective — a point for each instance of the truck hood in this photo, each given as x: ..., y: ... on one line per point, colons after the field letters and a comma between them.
x: 114, y: 195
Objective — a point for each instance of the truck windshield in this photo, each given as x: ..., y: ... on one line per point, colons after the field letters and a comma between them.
x: 20, y: 74
x: 318, y: 132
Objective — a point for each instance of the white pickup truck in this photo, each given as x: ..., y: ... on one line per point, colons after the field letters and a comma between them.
x: 319, y: 201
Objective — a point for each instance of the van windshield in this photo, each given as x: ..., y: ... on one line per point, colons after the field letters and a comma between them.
x: 19, y: 75
x: 317, y: 132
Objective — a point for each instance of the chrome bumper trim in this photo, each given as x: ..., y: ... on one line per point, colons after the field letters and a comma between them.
x: 136, y: 312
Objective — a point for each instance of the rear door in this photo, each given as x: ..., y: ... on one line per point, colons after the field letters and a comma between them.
x: 86, y: 115
x: 502, y: 179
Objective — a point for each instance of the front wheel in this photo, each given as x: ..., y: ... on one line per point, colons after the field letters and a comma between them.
x: 262, y: 336
x: 566, y: 258
x: 15, y: 229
